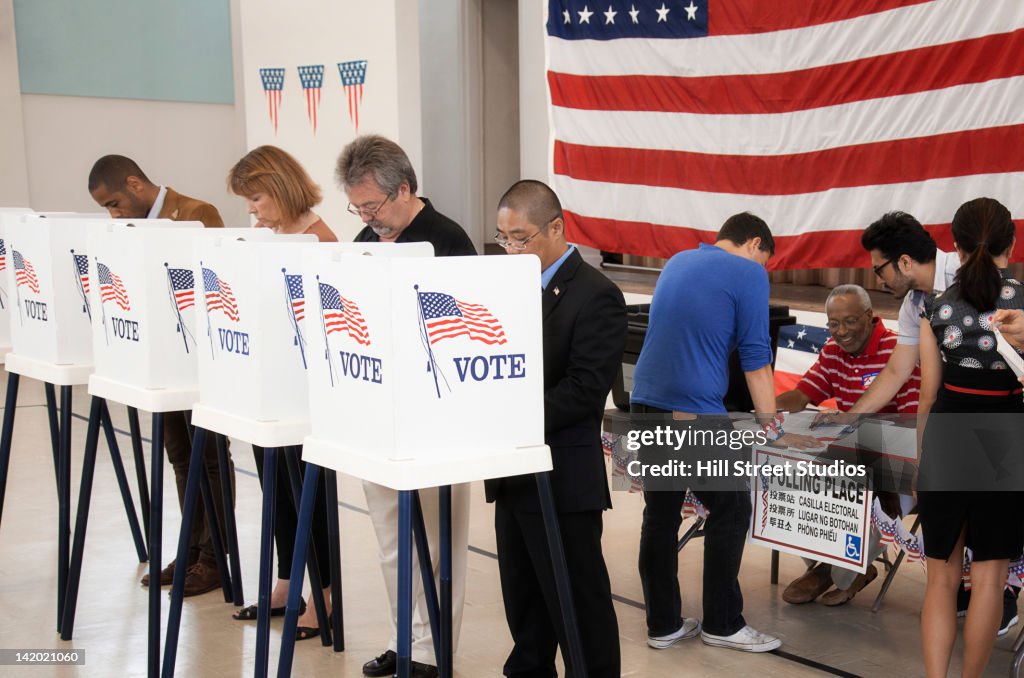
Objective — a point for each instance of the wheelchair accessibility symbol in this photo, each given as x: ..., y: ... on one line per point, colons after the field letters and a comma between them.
x: 853, y: 547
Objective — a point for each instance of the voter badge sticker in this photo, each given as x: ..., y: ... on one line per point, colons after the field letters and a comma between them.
x: 868, y: 379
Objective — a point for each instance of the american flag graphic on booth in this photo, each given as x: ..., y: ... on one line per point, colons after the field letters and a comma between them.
x: 3, y: 255
x: 25, y: 272
x: 82, y: 265
x: 296, y: 295
x: 312, y: 79
x: 342, y: 315
x: 818, y: 117
x: 183, y: 285
x: 353, y: 77
x: 447, y: 317
x: 112, y: 287
x: 219, y: 296
x: 273, y: 86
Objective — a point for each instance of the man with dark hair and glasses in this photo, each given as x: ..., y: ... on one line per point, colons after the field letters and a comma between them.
x: 907, y: 262
x: 584, y: 321
x: 380, y: 183
x: 847, y: 364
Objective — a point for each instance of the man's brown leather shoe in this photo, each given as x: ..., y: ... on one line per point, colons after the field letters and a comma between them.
x: 166, y: 576
x: 841, y: 597
x: 200, y: 578
x: 809, y: 585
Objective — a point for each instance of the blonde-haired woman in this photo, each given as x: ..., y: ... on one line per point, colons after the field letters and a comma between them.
x: 280, y: 194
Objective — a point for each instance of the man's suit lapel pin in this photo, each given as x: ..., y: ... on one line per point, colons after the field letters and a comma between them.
x: 557, y: 291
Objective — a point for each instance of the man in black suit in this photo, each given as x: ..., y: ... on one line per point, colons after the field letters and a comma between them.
x: 584, y: 319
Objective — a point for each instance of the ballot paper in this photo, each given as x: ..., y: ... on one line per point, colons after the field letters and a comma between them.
x: 1009, y: 353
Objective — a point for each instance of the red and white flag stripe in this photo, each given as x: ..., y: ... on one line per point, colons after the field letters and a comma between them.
x: 817, y: 117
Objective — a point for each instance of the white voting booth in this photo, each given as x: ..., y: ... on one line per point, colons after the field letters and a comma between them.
x: 50, y: 320
x: 255, y: 330
x: 145, y: 335
x: 48, y: 282
x: 250, y: 355
x: 418, y: 366
x: 6, y: 300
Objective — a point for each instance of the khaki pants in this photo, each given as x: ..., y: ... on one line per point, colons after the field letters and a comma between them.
x: 383, y: 505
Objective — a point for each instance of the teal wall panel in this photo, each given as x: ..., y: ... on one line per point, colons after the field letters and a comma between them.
x: 168, y: 50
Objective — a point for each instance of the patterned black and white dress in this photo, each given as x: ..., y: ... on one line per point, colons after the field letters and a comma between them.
x: 972, y: 459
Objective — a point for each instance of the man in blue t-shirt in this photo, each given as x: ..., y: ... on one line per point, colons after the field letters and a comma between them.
x: 708, y: 302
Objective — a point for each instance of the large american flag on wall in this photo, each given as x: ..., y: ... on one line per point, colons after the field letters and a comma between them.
x: 817, y: 115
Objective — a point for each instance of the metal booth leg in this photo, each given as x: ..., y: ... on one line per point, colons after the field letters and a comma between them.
x: 122, y: 481
x: 140, y: 467
x: 330, y: 478
x: 419, y: 535
x: 51, y: 416
x: 196, y: 471
x: 6, y: 432
x: 300, y: 557
x: 230, y: 525
x: 561, y: 572
x: 445, y: 666
x: 313, y: 565
x: 156, y: 518
x: 64, y: 501
x: 217, y: 540
x: 266, y: 581
x: 66, y: 624
x: 404, y: 660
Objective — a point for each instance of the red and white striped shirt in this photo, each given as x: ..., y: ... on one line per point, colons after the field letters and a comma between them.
x: 844, y: 376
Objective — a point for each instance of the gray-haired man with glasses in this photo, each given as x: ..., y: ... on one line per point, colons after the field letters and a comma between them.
x: 380, y: 183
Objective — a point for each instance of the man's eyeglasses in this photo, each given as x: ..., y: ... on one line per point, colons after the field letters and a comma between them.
x: 881, y: 267
x: 848, y: 323
x: 367, y: 211
x: 519, y: 245
x: 514, y: 245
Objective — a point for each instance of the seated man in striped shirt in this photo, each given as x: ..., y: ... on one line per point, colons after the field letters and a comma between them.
x: 858, y: 350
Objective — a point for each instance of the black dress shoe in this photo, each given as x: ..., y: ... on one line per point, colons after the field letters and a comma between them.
x: 423, y: 670
x: 384, y: 665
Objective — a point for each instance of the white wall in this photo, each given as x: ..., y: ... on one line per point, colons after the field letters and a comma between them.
x: 452, y: 136
x: 534, y: 127
x: 51, y: 142
x: 187, y: 146
x: 429, y: 95
x: 307, y: 32
x: 13, y: 176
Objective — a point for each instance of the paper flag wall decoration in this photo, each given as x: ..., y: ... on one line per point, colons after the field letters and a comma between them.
x: 353, y: 76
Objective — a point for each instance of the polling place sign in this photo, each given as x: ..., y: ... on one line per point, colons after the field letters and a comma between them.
x: 811, y: 507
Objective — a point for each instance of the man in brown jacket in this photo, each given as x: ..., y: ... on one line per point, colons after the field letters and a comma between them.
x: 118, y: 185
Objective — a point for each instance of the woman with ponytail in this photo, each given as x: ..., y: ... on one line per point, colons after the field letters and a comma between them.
x: 962, y: 374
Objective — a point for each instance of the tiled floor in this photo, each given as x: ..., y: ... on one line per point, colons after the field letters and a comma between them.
x: 111, y: 622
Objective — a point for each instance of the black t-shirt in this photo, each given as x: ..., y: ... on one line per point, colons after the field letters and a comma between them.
x: 447, y: 237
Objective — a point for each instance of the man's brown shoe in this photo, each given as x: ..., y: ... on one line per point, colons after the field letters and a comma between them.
x: 841, y: 597
x: 166, y: 576
x: 200, y: 578
x: 809, y: 585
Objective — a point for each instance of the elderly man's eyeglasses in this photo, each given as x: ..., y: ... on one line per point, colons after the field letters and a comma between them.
x: 513, y: 245
x: 369, y: 211
x: 851, y: 323
x: 881, y: 267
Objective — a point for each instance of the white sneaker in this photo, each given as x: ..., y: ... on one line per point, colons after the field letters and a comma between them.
x: 747, y: 639
x: 689, y: 629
